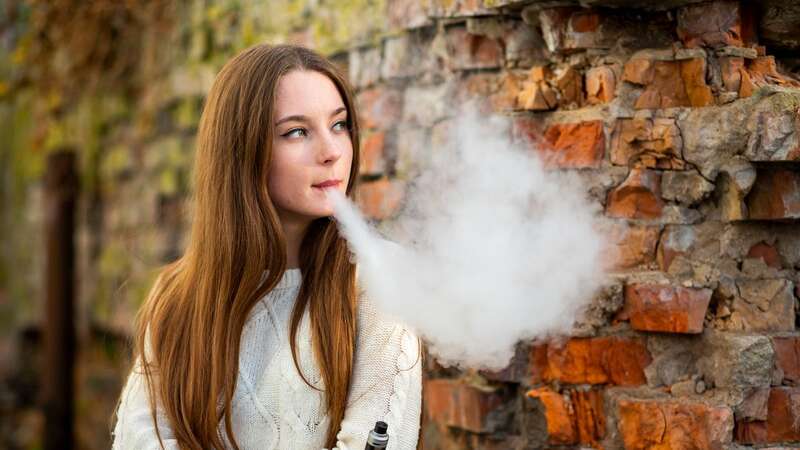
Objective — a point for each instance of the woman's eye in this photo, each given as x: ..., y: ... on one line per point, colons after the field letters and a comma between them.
x: 342, y: 125
x: 295, y: 132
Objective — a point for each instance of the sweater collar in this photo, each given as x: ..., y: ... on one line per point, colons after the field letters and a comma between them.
x: 291, y: 278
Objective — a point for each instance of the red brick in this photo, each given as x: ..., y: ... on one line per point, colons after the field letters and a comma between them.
x: 655, y: 143
x: 787, y: 357
x: 714, y: 24
x: 381, y: 198
x: 537, y: 96
x: 570, y: 85
x: 764, y: 71
x: 783, y: 417
x: 673, y: 84
x: 471, y: 51
x: 767, y: 253
x: 528, y: 130
x: 372, y: 151
x: 638, y: 71
x: 602, y: 360
x: 693, y: 73
x: 775, y: 195
x: 638, y: 197
x: 630, y: 246
x: 665, y: 308
x: 559, y: 414
x: 584, y: 22
x: 511, y: 84
x: 574, y: 417
x: 668, y: 424
x: 457, y: 404
x: 573, y: 144
x: 601, y: 85
x: 379, y: 107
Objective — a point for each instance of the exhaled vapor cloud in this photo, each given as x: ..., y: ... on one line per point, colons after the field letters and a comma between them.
x: 492, y: 249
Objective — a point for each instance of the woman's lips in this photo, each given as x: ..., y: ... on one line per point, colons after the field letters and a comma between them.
x: 325, y: 184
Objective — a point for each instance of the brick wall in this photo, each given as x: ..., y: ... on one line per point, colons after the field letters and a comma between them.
x: 681, y: 116
x: 684, y: 120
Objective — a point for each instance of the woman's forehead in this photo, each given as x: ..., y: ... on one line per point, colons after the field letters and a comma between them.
x: 307, y: 93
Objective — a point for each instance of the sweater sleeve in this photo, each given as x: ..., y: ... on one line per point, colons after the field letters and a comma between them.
x: 386, y: 386
x: 134, y: 429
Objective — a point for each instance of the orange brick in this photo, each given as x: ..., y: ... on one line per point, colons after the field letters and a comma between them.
x: 601, y: 85
x: 379, y: 107
x: 668, y: 424
x: 630, y: 246
x: 574, y: 417
x: 372, y: 150
x: 573, y: 144
x: 457, y: 404
x: 787, y: 357
x: 602, y: 360
x: 775, y: 195
x: 380, y: 199
x: 673, y: 309
x: 638, y: 197
x: 767, y: 253
x: 783, y: 415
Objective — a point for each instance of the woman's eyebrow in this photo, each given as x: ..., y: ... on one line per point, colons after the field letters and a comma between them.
x: 301, y: 118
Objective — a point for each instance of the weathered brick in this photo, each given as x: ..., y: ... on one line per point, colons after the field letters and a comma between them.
x: 472, y: 51
x: 426, y: 105
x: 381, y: 198
x: 601, y: 85
x: 638, y: 71
x: 669, y: 424
x: 559, y: 415
x: 372, y: 153
x: 732, y: 68
x: 575, y: 416
x: 767, y: 253
x: 763, y: 305
x: 570, y: 87
x: 713, y: 24
x: 652, y: 143
x: 775, y: 195
x: 676, y: 240
x: 638, y: 197
x: 572, y: 144
x: 776, y: 136
x: 568, y: 29
x: 536, y: 93
x: 379, y: 107
x: 458, y: 404
x: 665, y: 308
x: 603, y: 360
x: 670, y: 84
x: 781, y: 425
x: 406, y: 14
x: 630, y: 246
x: 787, y: 358
x: 686, y: 187
x: 764, y: 71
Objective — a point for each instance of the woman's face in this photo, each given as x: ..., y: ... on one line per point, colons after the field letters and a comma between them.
x: 311, y: 145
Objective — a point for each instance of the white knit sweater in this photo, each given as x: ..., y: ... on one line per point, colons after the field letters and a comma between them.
x: 274, y: 409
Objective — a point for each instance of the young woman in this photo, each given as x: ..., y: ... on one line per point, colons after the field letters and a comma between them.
x: 258, y: 337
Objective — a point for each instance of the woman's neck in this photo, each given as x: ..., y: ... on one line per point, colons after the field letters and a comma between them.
x: 294, y: 231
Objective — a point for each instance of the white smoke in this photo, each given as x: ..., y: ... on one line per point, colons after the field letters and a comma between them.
x: 492, y: 248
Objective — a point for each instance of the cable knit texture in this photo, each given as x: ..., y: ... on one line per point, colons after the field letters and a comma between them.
x: 274, y: 409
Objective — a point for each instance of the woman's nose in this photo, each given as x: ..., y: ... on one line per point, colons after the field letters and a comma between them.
x: 329, y: 150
